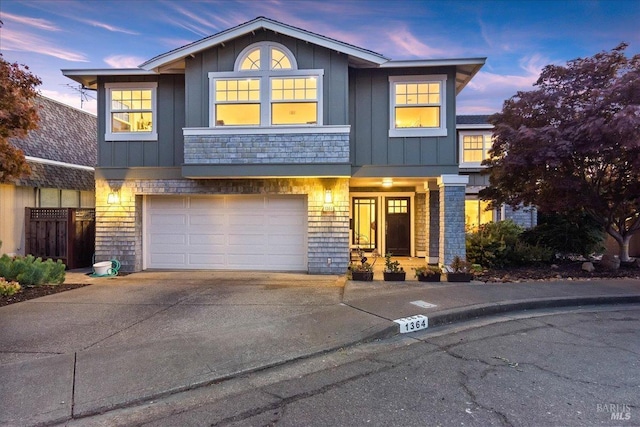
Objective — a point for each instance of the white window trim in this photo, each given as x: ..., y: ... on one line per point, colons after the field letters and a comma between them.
x: 265, y: 93
x: 265, y: 52
x: 131, y: 136
x: 486, y: 144
x: 418, y: 132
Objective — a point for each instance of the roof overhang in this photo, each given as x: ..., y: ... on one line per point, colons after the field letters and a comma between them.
x: 175, y: 58
x: 466, y: 68
x: 89, y: 77
x: 468, y: 126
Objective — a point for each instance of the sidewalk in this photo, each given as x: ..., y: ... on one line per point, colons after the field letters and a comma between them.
x: 135, y: 338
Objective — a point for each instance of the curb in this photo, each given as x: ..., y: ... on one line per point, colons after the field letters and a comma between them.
x: 454, y: 315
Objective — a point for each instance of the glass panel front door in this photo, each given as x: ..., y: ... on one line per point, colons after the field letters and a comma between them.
x: 364, y: 223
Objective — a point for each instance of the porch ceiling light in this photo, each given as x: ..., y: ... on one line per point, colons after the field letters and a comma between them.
x: 387, y: 182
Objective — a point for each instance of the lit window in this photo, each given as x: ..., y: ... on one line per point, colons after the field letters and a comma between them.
x: 417, y: 106
x: 266, y: 89
x: 290, y: 101
x: 476, y: 213
x: 474, y: 147
x: 131, y: 111
x: 237, y: 102
x: 364, y: 223
x: 279, y: 60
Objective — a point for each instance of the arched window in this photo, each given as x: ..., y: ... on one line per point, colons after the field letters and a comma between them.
x: 266, y: 89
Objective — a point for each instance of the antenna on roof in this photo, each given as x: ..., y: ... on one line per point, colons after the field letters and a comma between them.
x: 82, y: 90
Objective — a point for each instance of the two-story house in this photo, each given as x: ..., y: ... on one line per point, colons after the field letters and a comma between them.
x: 269, y: 147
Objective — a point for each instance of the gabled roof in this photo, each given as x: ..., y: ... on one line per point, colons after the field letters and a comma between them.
x: 63, y: 150
x: 357, y: 55
x: 473, y: 121
x: 173, y: 62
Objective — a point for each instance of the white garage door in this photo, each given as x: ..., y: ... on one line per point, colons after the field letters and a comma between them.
x: 226, y: 232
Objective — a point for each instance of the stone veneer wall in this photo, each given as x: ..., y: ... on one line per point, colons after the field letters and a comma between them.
x: 420, y: 226
x: 267, y: 148
x: 524, y: 217
x: 434, y: 223
x: 119, y: 227
x: 452, y: 232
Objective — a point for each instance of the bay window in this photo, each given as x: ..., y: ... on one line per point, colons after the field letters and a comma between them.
x: 266, y: 89
x: 131, y: 111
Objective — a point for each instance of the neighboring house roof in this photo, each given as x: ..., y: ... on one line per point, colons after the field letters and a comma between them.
x: 173, y: 61
x: 62, y: 152
x: 473, y: 121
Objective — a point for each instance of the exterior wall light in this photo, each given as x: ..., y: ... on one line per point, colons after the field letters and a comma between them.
x: 113, y: 198
x: 328, y: 201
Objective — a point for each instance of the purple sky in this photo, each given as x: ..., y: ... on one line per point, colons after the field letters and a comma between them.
x: 517, y: 37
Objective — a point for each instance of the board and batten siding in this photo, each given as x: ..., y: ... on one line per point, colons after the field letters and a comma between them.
x: 369, y: 111
x: 308, y: 56
x: 168, y: 150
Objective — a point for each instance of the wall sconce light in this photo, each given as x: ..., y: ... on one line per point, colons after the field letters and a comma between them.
x: 387, y: 182
x: 113, y: 198
x: 328, y: 201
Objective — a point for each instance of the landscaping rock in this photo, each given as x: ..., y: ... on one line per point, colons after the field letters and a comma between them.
x: 610, y: 262
x: 588, y: 267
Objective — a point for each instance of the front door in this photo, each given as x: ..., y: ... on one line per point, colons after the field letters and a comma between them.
x: 398, y: 226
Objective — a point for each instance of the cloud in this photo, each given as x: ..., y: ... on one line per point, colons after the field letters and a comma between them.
x: 123, y: 61
x: 108, y: 27
x: 532, y: 66
x: 408, y: 44
x: 40, y: 24
x: 27, y: 42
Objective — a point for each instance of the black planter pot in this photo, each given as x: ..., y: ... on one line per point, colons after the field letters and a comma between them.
x: 363, y: 276
x: 429, y: 278
x: 395, y: 277
x: 459, y: 277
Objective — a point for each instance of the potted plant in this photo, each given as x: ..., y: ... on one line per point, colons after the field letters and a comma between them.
x: 459, y: 270
x: 363, y: 271
x: 428, y: 273
x: 393, y: 272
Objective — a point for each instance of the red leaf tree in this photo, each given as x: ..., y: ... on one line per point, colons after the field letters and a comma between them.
x: 573, y: 144
x: 18, y: 115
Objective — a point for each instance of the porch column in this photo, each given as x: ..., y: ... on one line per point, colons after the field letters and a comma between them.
x: 452, y: 235
x: 432, y: 220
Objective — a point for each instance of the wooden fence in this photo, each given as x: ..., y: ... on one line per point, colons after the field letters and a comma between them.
x: 67, y: 234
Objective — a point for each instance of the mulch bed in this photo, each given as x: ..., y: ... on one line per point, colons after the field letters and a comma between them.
x: 564, y: 271
x: 37, y: 292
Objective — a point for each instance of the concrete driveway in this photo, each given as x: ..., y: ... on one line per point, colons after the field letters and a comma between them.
x: 127, y: 338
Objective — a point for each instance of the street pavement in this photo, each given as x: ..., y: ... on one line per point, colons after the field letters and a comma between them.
x: 131, y: 339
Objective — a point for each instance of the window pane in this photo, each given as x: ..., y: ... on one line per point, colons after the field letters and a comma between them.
x: 70, y: 199
x: 279, y: 61
x: 49, y: 198
x: 252, y: 61
x: 237, y: 90
x: 297, y: 89
x: 237, y: 114
x: 294, y: 113
x: 417, y: 117
x: 476, y: 214
x: 472, y: 146
x: 132, y: 122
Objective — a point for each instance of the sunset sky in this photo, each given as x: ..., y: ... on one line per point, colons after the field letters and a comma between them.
x: 517, y: 37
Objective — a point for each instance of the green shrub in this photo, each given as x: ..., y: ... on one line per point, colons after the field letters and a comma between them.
x: 31, y: 271
x: 499, y: 244
x: 567, y: 234
x: 8, y: 288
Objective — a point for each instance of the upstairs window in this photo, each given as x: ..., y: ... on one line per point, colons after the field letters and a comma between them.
x: 131, y: 111
x: 417, y: 106
x: 266, y: 89
x: 474, y: 147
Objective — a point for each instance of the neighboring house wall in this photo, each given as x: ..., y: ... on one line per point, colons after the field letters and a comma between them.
x: 61, y: 153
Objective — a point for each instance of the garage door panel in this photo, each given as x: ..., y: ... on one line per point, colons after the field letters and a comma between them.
x: 166, y: 203
x: 212, y: 240
x: 226, y: 232
x: 207, y: 219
